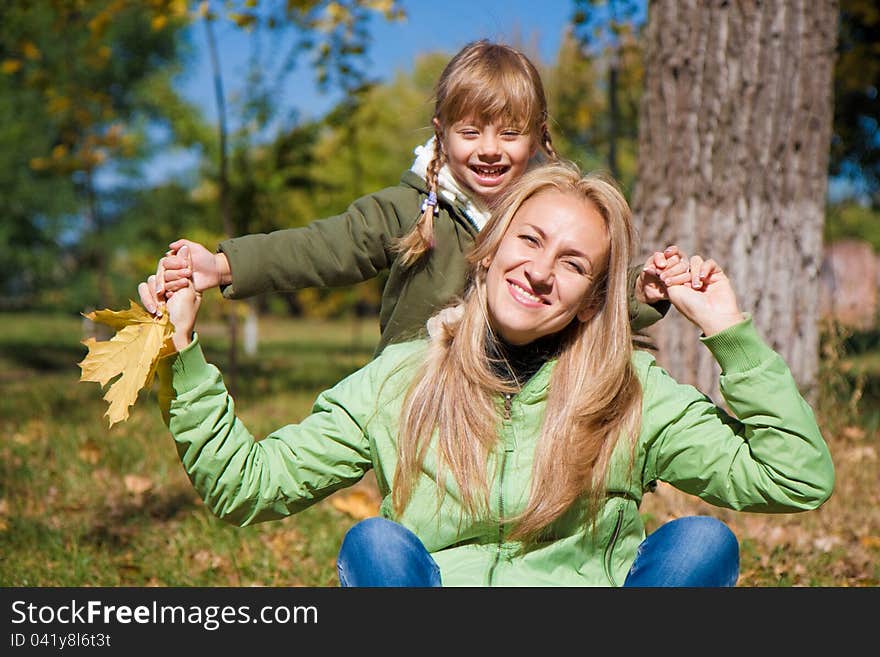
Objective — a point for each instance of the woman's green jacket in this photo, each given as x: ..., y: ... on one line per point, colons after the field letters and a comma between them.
x: 770, y: 458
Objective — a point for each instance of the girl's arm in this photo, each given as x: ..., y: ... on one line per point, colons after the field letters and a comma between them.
x: 347, y: 248
x: 344, y: 249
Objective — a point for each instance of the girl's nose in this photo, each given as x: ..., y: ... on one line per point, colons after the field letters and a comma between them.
x: 489, y: 146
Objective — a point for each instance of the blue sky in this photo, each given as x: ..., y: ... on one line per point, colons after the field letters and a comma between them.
x: 431, y: 25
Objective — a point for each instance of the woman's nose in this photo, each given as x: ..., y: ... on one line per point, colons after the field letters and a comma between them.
x: 539, y: 274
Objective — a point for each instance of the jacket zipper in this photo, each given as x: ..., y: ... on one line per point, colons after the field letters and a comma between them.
x: 610, y: 548
x: 508, y: 402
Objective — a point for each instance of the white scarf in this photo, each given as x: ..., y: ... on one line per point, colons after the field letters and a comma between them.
x: 475, y: 211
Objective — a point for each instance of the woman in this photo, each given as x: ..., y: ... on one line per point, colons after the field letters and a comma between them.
x: 514, y: 446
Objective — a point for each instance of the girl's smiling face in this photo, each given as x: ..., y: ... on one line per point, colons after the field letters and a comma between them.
x: 486, y: 158
x: 541, y: 276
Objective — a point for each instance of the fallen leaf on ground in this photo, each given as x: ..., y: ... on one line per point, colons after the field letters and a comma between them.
x: 140, y: 340
x: 357, y: 504
x: 137, y: 484
x: 90, y: 452
x: 855, y: 433
x: 870, y: 541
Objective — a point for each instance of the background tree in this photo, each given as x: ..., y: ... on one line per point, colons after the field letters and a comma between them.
x: 855, y: 144
x: 576, y: 104
x: 733, y: 159
x: 336, y: 31
x: 607, y: 32
x: 77, y: 69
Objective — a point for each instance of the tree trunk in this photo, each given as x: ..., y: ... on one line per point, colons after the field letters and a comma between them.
x: 231, y: 373
x: 733, y: 156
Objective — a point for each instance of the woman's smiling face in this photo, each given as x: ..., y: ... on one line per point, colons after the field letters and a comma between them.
x: 541, y: 275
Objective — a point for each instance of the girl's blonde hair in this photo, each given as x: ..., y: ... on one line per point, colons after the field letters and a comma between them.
x: 484, y: 81
x: 594, y: 396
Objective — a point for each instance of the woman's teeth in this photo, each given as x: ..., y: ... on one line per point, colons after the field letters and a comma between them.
x: 525, y: 293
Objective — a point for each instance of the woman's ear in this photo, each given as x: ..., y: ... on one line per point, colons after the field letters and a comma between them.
x: 588, y: 310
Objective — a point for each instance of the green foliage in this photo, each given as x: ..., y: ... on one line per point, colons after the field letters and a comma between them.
x: 334, y: 32
x: 597, y: 86
x: 70, y: 76
x: 855, y: 145
x: 839, y: 392
x: 851, y: 220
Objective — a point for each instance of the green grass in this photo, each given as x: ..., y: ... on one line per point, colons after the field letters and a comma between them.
x: 84, y: 505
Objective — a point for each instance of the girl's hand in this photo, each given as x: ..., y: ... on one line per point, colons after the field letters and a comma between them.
x: 182, y: 306
x: 175, y: 272
x: 662, y: 269
x: 205, y: 269
x: 707, y: 298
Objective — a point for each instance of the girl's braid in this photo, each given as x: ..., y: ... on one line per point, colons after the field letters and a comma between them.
x: 418, y: 242
x: 547, y: 143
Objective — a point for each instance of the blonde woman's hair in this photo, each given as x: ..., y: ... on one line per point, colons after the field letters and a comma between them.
x: 484, y: 81
x: 594, y: 396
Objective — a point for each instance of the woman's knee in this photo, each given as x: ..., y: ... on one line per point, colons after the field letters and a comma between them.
x: 707, y: 531
x: 368, y: 531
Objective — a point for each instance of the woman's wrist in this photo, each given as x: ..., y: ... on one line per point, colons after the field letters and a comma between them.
x: 719, y: 323
x: 182, y: 339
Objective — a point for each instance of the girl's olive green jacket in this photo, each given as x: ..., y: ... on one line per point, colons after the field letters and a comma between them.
x: 770, y: 458
x: 356, y: 246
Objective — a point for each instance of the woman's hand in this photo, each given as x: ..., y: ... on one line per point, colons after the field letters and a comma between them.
x: 707, y: 298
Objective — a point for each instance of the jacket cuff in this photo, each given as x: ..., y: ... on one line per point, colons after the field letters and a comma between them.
x: 238, y: 267
x: 738, y: 348
x: 642, y: 315
x: 187, y: 368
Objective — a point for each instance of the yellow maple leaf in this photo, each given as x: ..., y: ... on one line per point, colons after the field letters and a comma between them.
x: 134, y: 352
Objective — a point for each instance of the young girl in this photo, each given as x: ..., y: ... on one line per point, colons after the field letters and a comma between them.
x: 514, y: 446
x: 490, y: 125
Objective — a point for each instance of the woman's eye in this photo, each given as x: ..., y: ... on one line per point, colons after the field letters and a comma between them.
x: 528, y: 239
x: 576, y: 267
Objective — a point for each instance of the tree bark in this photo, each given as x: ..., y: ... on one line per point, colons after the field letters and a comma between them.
x: 734, y: 139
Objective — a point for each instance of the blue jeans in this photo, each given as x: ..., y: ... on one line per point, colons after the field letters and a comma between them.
x: 695, y: 551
